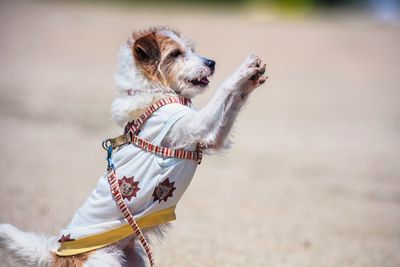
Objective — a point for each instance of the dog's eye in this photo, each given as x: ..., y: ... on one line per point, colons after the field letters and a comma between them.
x: 175, y: 53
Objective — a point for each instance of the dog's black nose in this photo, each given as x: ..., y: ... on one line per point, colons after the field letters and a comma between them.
x: 210, y: 63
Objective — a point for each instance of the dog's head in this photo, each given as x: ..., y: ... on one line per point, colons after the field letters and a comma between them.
x: 160, y: 58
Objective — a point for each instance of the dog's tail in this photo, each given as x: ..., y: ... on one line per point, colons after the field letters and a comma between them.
x: 29, y: 248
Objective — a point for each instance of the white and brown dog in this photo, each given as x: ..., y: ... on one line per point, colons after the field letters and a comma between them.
x: 154, y: 64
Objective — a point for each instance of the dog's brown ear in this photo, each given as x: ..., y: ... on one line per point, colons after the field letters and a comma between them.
x: 146, y: 49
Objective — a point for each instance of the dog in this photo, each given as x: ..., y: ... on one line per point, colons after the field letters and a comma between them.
x: 154, y: 64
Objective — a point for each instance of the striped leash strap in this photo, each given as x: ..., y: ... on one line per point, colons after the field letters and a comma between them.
x: 113, y: 181
x: 167, y: 152
x: 132, y: 128
x: 196, y: 155
x: 120, y: 140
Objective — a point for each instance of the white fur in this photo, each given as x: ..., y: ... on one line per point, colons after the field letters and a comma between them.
x: 110, y: 256
x: 127, y: 76
x: 29, y: 248
x: 122, y: 106
x: 210, y: 125
x: 194, y: 67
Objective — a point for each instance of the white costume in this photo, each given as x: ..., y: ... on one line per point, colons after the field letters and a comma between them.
x: 151, y: 186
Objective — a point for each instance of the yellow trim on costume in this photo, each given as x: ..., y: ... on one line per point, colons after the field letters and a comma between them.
x: 97, y: 241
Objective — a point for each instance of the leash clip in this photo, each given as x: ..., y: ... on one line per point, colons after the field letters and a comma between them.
x: 107, y: 145
x: 110, y: 165
x: 117, y: 141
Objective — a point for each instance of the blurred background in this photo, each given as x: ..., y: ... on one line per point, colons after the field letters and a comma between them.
x: 313, y: 178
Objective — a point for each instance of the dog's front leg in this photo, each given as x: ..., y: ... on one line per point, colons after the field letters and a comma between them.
x: 212, y: 124
x: 246, y: 78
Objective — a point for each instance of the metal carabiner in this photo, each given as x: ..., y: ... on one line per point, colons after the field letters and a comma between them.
x: 106, y: 144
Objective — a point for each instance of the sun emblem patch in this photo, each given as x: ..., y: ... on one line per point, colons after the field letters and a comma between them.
x: 164, y: 190
x: 128, y: 187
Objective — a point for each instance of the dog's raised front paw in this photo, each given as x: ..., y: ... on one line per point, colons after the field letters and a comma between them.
x: 249, y: 75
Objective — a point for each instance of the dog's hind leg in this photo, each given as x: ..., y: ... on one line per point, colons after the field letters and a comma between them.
x: 29, y: 248
x: 110, y: 256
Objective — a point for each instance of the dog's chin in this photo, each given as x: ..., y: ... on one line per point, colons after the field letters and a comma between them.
x: 200, y: 82
x: 190, y: 90
x: 191, y: 87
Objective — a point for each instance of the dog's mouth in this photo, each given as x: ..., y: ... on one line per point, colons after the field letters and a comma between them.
x: 202, y: 81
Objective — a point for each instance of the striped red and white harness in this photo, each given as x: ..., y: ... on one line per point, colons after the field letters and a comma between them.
x: 131, y: 136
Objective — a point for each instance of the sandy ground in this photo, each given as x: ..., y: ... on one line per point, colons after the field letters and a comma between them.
x: 314, y: 176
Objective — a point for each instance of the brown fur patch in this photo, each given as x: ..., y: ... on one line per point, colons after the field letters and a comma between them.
x: 147, y: 55
x: 150, y: 50
x: 138, y: 34
x: 168, y: 46
x: 70, y: 261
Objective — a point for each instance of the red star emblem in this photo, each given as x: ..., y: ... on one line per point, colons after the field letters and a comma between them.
x: 128, y: 187
x: 164, y: 190
x: 65, y: 238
